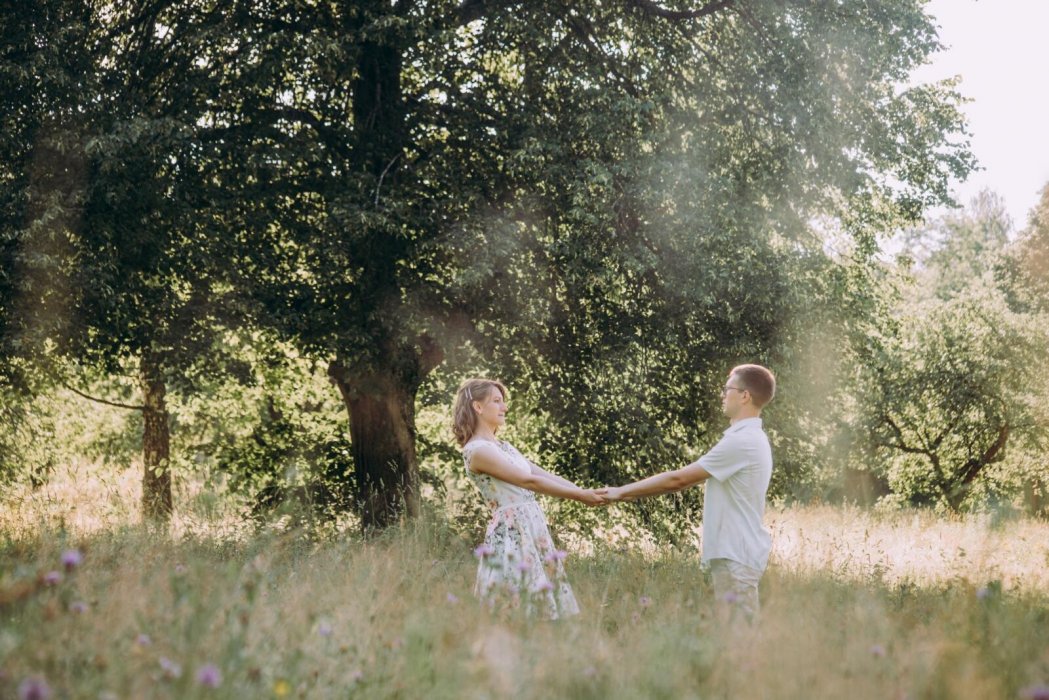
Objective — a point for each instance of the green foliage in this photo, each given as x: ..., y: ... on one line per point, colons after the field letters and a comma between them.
x: 606, y: 205
x: 958, y: 249
x: 953, y: 388
x: 949, y: 388
x: 1024, y: 271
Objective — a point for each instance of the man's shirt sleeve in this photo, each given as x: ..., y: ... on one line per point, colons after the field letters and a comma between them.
x: 724, y: 458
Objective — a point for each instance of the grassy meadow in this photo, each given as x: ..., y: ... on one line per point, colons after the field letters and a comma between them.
x: 856, y: 604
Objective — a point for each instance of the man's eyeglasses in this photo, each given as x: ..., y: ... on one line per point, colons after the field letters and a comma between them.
x: 731, y: 388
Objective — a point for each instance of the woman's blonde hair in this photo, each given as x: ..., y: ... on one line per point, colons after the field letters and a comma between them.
x: 464, y: 419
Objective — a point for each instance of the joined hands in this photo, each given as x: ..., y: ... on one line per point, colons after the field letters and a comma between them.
x: 606, y: 495
x: 591, y: 497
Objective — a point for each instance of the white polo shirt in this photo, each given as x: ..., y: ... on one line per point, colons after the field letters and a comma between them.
x: 740, y: 467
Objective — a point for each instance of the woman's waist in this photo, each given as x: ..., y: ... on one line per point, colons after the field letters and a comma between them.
x: 511, y: 505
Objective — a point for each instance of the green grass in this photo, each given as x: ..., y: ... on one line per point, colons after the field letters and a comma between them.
x: 394, y: 617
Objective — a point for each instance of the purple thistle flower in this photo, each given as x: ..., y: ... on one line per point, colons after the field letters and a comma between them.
x: 878, y: 650
x: 143, y: 640
x: 209, y: 676
x: 52, y: 578
x: 34, y: 688
x: 524, y: 567
x: 170, y: 668
x: 357, y: 676
x: 730, y: 597
x: 78, y: 607
x: 983, y: 593
x: 545, y: 586
x: 484, y: 550
x: 644, y: 601
x: 71, y: 559
x: 556, y: 556
x: 180, y: 569
x: 325, y: 629
x: 452, y: 598
x: 1035, y: 692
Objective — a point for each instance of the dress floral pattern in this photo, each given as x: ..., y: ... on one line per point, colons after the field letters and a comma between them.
x: 519, y: 564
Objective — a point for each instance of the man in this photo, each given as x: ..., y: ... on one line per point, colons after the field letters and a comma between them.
x: 737, y: 471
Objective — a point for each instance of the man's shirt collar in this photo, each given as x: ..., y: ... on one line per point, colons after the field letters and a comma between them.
x: 744, y: 423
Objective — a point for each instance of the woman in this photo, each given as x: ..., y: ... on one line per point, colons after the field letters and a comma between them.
x: 518, y: 557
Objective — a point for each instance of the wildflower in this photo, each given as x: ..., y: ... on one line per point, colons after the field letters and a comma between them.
x: 484, y: 550
x: 324, y: 629
x: 545, y: 586
x: 143, y: 640
x: 524, y: 567
x: 281, y: 688
x: 171, y: 669
x: 730, y: 597
x: 644, y: 601
x: 556, y: 556
x: 209, y: 676
x: 78, y: 607
x: 34, y: 688
x: 52, y: 578
x: 878, y: 650
x: 1035, y: 692
x: 357, y: 676
x: 452, y: 598
x: 71, y: 559
x: 180, y: 568
x: 983, y: 593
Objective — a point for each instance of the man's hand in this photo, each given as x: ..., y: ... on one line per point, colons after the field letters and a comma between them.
x: 611, y: 494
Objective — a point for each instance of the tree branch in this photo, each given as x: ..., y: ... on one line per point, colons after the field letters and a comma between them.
x: 900, y: 443
x: 651, y: 8
x: 478, y: 9
x: 585, y: 31
x: 991, y: 455
x: 103, y: 401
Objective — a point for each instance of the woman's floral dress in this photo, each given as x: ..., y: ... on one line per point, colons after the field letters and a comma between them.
x: 519, y: 564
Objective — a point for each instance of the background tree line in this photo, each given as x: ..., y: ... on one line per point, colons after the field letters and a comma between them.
x: 208, y: 204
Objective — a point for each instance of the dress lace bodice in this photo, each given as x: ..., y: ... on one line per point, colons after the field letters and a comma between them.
x: 498, y: 493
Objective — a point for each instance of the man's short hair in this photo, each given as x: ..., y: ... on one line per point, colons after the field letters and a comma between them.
x: 758, y: 381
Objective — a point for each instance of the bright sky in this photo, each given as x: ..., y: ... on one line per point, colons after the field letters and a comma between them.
x: 1000, y: 49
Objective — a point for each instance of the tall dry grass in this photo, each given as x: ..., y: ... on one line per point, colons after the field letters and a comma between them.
x: 855, y: 604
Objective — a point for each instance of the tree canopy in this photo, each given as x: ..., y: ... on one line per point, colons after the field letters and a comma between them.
x: 608, y: 203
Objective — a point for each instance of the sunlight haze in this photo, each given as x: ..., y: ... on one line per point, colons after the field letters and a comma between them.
x: 999, y: 50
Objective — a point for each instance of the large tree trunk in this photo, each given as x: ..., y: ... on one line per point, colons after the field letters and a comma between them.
x: 156, y: 446
x: 382, y: 430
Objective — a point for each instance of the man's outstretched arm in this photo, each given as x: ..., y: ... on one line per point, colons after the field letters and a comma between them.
x: 667, y: 482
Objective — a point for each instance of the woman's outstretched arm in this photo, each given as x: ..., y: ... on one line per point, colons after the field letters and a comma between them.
x: 491, y: 462
x: 536, y: 469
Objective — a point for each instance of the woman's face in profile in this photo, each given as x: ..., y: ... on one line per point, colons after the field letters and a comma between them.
x: 493, y: 409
